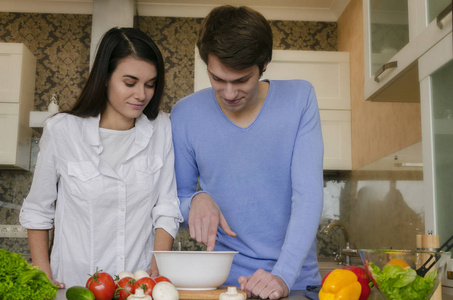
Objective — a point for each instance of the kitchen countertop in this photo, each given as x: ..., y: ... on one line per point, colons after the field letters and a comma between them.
x: 295, y: 295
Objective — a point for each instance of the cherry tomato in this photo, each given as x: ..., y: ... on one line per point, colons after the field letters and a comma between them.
x: 125, y: 288
x: 102, y: 285
x: 147, y: 284
x: 161, y: 278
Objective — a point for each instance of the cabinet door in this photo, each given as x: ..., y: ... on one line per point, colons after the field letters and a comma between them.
x: 327, y: 71
x: 11, y: 66
x: 9, y: 120
x: 435, y: 8
x: 436, y: 76
x: 388, y: 29
x: 336, y: 134
x: 396, y: 34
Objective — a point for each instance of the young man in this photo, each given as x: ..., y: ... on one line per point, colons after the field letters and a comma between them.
x: 256, y: 148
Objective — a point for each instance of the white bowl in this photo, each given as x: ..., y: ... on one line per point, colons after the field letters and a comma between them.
x: 195, y: 270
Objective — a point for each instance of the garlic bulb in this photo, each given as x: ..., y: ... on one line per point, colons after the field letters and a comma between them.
x: 231, y: 294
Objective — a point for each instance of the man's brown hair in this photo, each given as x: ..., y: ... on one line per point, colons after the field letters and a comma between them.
x: 239, y: 36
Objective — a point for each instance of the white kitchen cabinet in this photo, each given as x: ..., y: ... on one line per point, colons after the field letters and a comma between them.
x: 396, y: 34
x: 436, y: 89
x: 328, y: 72
x: 17, y: 86
x: 336, y: 133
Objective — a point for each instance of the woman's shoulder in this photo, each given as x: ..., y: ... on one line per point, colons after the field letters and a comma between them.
x: 64, y: 122
x: 57, y: 120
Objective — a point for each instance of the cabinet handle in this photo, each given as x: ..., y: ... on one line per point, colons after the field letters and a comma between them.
x: 442, y: 16
x: 389, y: 65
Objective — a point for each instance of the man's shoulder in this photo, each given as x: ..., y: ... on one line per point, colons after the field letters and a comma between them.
x: 292, y: 84
x: 197, y: 96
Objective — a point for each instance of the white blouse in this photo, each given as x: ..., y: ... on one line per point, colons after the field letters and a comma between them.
x: 104, y: 218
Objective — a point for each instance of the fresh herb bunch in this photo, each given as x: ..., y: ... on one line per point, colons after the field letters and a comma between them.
x: 21, y: 281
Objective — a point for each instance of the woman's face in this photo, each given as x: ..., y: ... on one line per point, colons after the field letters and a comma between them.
x: 129, y: 90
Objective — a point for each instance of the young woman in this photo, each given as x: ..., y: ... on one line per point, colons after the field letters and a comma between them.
x: 105, y: 177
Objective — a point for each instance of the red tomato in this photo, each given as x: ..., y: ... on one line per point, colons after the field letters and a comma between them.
x: 147, y: 284
x: 362, y: 278
x: 161, y: 278
x: 102, y: 285
x: 125, y: 288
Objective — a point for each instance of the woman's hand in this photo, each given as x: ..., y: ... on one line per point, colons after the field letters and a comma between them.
x: 38, y: 241
x: 61, y: 285
x: 153, y: 272
x: 264, y: 285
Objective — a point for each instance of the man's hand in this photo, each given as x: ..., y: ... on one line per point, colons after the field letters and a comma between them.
x: 204, y: 219
x: 264, y: 285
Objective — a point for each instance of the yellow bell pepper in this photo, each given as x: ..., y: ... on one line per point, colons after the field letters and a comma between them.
x: 340, y: 285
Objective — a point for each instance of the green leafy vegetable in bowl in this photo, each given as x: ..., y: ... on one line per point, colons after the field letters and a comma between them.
x: 396, y: 283
x: 21, y: 281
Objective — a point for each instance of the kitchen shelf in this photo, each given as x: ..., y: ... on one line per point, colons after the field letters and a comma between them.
x: 37, y: 118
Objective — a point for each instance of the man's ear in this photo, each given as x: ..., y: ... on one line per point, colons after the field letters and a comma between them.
x: 265, y: 67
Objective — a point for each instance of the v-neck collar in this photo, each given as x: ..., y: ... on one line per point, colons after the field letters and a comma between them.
x: 269, y: 91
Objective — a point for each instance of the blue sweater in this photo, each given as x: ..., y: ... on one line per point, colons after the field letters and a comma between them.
x: 266, y: 178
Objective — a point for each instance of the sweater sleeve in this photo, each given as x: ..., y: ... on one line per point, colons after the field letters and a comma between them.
x: 307, y: 194
x: 185, y: 165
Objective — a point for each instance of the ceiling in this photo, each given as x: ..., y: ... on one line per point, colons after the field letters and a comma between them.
x: 298, y: 10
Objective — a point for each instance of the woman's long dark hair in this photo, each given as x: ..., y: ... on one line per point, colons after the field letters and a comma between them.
x: 117, y: 44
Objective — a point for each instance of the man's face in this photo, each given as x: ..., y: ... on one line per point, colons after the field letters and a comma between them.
x: 235, y: 90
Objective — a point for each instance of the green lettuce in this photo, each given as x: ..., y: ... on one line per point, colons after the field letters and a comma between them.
x: 21, y: 281
x: 396, y: 283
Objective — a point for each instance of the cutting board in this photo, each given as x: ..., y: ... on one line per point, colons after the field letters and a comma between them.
x: 205, y: 295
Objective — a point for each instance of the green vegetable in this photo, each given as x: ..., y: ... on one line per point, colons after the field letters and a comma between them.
x: 79, y: 293
x: 397, y: 283
x: 21, y: 281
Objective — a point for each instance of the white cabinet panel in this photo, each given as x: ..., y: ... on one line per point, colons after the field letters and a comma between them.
x: 336, y: 134
x: 8, y: 133
x: 10, y: 66
x: 328, y: 72
x: 17, y: 87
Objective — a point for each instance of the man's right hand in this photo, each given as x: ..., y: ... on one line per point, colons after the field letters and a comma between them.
x: 204, y: 219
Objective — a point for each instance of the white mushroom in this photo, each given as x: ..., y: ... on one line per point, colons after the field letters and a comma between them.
x: 165, y: 290
x: 140, y: 274
x: 139, y: 295
x: 231, y: 294
x: 123, y: 274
